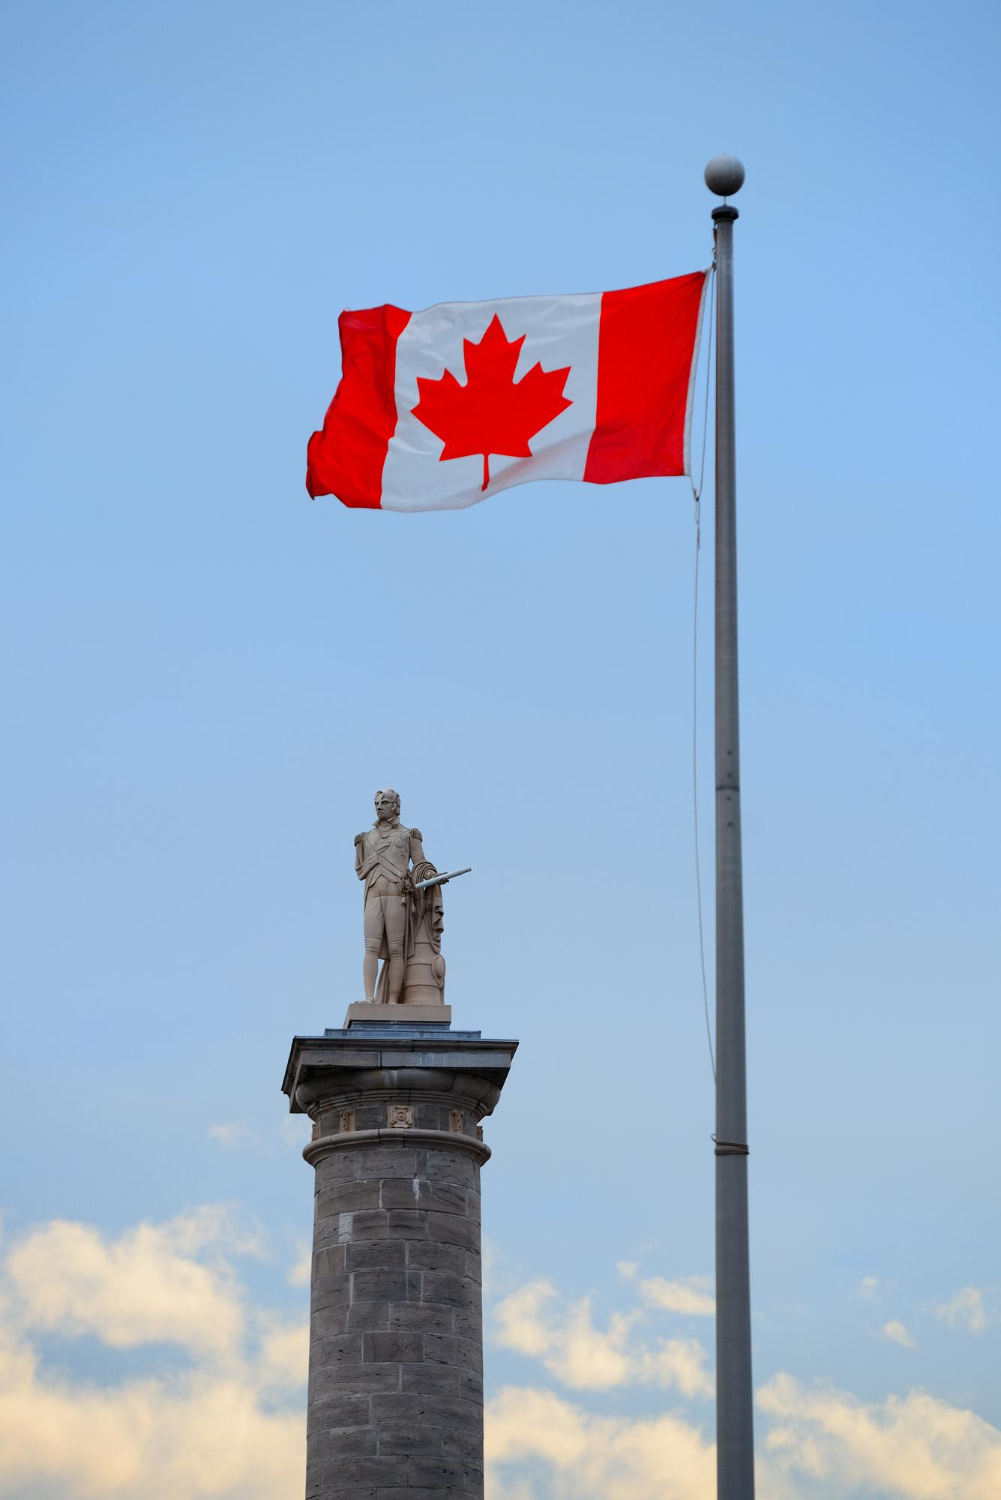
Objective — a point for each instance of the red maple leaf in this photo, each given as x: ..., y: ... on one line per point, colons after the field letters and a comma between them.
x: 491, y: 413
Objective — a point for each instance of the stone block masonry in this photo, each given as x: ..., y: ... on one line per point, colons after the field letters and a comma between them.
x: 395, y: 1404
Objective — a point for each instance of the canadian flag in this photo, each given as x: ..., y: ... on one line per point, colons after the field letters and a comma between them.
x: 438, y: 409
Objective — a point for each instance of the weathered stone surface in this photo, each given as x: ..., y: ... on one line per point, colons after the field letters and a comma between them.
x: 364, y: 1378
x: 457, y: 1442
x: 317, y: 1487
x: 357, y: 1442
x: 421, y: 1494
x: 386, y: 1286
x: 388, y: 1410
x: 395, y: 1387
x: 367, y: 1317
x: 376, y: 1255
x: 352, y: 1197
x: 452, y: 1290
x: 458, y: 1354
x: 405, y: 1348
x: 330, y: 1291
x: 459, y: 1412
x: 435, y: 1474
x: 385, y: 1161
x: 467, y: 1322
x: 421, y: 1318
x: 404, y: 1441
x: 450, y: 1229
x: 346, y: 1411
x: 329, y: 1261
x: 333, y: 1169
x: 348, y: 1473
x: 450, y: 1166
x: 341, y: 1347
x: 432, y: 1255
x: 428, y: 1377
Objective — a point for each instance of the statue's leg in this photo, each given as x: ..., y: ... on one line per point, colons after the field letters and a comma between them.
x: 374, y: 924
x: 396, y: 930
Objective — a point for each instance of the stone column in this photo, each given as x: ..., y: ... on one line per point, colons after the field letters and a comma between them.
x: 396, y: 1326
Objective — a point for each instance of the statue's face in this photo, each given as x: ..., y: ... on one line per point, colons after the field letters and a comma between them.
x: 387, y: 805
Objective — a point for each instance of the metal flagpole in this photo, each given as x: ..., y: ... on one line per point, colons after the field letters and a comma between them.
x: 734, y: 1393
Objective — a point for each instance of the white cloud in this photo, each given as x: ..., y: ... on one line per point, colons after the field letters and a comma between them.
x: 180, y: 1439
x: 913, y: 1447
x: 898, y: 1334
x: 815, y: 1443
x: 237, y: 1135
x: 301, y: 1270
x: 681, y: 1363
x: 228, y: 1426
x: 572, y: 1454
x: 537, y: 1321
x: 818, y: 1444
x: 688, y: 1295
x: 156, y: 1283
x: 282, y: 1361
x: 973, y: 1309
x: 869, y: 1287
x: 234, y: 1136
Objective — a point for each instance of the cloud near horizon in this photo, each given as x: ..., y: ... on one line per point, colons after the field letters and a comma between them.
x: 535, y: 1320
x: 229, y: 1424
x: 540, y: 1446
x: 818, y: 1443
x: 814, y: 1442
x: 164, y: 1283
x: 915, y: 1446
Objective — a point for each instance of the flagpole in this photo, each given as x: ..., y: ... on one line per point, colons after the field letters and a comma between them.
x: 734, y: 1392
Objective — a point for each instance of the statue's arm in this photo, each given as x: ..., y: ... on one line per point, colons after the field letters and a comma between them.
x: 417, y: 855
x: 359, y: 854
x: 422, y: 866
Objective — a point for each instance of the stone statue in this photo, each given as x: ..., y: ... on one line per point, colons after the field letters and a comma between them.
x: 403, y: 911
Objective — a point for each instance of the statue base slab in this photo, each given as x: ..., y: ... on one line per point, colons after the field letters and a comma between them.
x: 363, y: 1011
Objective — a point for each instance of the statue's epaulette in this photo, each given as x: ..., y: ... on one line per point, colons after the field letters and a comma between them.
x: 415, y: 833
x: 359, y: 837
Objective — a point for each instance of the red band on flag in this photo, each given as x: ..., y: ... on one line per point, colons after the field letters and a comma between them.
x: 346, y: 459
x: 646, y: 347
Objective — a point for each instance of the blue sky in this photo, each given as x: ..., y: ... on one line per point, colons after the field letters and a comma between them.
x: 207, y: 676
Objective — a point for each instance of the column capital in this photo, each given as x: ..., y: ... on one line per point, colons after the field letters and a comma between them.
x: 393, y: 1056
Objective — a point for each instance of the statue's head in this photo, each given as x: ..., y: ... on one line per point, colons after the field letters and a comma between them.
x: 387, y: 804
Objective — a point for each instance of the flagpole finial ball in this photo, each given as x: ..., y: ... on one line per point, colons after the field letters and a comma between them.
x: 725, y: 176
